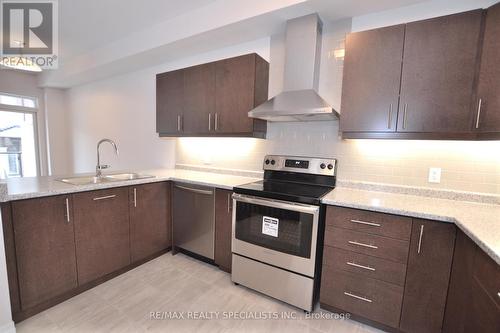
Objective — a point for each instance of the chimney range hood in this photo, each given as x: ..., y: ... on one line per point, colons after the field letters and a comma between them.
x: 299, y: 101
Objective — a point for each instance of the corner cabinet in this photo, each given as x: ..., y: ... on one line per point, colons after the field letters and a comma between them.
x: 213, y: 99
x: 420, y: 80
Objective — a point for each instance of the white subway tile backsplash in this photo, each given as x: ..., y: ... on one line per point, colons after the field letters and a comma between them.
x: 466, y: 166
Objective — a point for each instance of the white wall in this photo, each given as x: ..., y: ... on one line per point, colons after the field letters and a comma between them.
x: 58, y: 132
x: 122, y: 108
x: 466, y: 166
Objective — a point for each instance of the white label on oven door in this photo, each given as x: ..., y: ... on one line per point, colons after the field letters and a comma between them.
x: 270, y: 226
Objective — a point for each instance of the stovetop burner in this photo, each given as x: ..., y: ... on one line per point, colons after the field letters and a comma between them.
x: 296, y: 179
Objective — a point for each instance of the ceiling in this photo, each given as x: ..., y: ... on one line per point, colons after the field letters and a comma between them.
x: 89, y: 24
x: 102, y: 38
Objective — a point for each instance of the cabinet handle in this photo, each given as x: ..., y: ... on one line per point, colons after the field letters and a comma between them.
x: 178, y: 123
x: 67, y: 210
x: 405, y: 111
x: 209, y: 122
x: 366, y: 223
x: 420, y: 238
x: 389, y: 121
x: 368, y: 268
x: 363, y: 244
x: 135, y: 197
x: 216, y: 121
x: 195, y: 190
x: 357, y: 297
x: 479, y: 112
x: 105, y: 197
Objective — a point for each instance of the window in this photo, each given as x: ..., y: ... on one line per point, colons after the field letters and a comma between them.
x: 18, y: 139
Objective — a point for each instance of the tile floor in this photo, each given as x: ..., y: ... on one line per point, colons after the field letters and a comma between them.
x: 175, y: 286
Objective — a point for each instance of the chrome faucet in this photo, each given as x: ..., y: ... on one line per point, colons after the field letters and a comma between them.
x: 99, y: 167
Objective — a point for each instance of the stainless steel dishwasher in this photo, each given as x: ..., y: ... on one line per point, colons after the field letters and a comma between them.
x: 194, y: 219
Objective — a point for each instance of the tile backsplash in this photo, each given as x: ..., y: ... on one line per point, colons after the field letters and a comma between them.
x: 466, y: 165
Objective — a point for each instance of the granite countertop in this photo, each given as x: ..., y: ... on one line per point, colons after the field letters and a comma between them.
x: 34, y: 187
x: 480, y: 221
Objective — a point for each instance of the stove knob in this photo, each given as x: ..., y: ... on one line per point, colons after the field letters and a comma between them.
x: 322, y: 165
x: 273, y: 162
x: 330, y: 166
x: 267, y: 161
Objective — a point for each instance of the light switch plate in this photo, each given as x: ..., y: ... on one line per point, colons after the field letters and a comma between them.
x: 434, y: 175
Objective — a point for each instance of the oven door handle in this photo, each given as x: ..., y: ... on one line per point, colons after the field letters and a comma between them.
x: 296, y: 207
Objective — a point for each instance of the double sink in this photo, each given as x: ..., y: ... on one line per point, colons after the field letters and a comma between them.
x: 87, y: 180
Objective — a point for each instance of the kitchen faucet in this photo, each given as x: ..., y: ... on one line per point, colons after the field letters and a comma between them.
x: 99, y: 167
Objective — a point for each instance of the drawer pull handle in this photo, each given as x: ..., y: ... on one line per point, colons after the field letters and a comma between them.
x: 363, y: 244
x: 366, y: 223
x: 67, y: 210
x: 420, y: 238
x: 360, y: 266
x: 358, y: 297
x: 105, y: 197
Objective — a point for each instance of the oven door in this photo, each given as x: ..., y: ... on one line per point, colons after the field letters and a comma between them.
x: 279, y: 233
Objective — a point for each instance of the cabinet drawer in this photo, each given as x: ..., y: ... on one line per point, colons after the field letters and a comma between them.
x: 363, y: 265
x: 374, y: 223
x: 487, y: 273
x: 373, y: 245
x: 376, y: 300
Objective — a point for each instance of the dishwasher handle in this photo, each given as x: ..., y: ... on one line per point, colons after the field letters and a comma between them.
x: 195, y: 190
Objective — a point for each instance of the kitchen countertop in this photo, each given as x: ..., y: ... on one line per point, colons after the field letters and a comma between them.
x: 34, y: 187
x: 480, y: 221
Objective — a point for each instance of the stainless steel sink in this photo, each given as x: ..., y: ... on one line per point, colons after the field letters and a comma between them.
x: 87, y: 180
x: 126, y: 176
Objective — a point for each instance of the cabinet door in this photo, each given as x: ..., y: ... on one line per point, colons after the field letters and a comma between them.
x: 372, y: 73
x: 102, y: 232
x: 234, y: 94
x: 487, y: 117
x: 150, y: 227
x: 199, y: 99
x: 223, y: 229
x: 439, y: 68
x: 427, y: 276
x: 45, y: 248
x: 169, y: 102
x: 457, y: 311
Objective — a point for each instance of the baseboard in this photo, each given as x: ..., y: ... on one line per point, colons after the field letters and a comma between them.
x: 8, y: 328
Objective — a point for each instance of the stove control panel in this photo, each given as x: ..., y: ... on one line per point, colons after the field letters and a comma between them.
x: 310, y: 165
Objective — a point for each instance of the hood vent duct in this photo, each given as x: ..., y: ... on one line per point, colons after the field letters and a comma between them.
x: 299, y: 101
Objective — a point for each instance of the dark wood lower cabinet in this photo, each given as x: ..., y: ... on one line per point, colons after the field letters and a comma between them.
x: 102, y: 232
x: 427, y: 277
x: 223, y: 229
x: 45, y: 248
x: 150, y: 223
x: 473, y: 303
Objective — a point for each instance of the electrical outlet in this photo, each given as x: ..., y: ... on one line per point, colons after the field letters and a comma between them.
x: 434, y: 175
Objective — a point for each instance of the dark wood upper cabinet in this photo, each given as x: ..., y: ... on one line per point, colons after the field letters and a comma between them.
x: 487, y: 115
x: 102, y: 232
x: 44, y: 248
x: 170, y: 102
x: 199, y: 98
x: 439, y: 67
x: 372, y: 73
x: 223, y: 229
x: 237, y: 91
x: 213, y: 99
x: 150, y: 227
x: 427, y: 277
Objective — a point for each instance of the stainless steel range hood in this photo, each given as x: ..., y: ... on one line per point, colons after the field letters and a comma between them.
x: 299, y: 101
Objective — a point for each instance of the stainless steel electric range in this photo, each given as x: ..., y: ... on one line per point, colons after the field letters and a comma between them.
x: 278, y: 228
